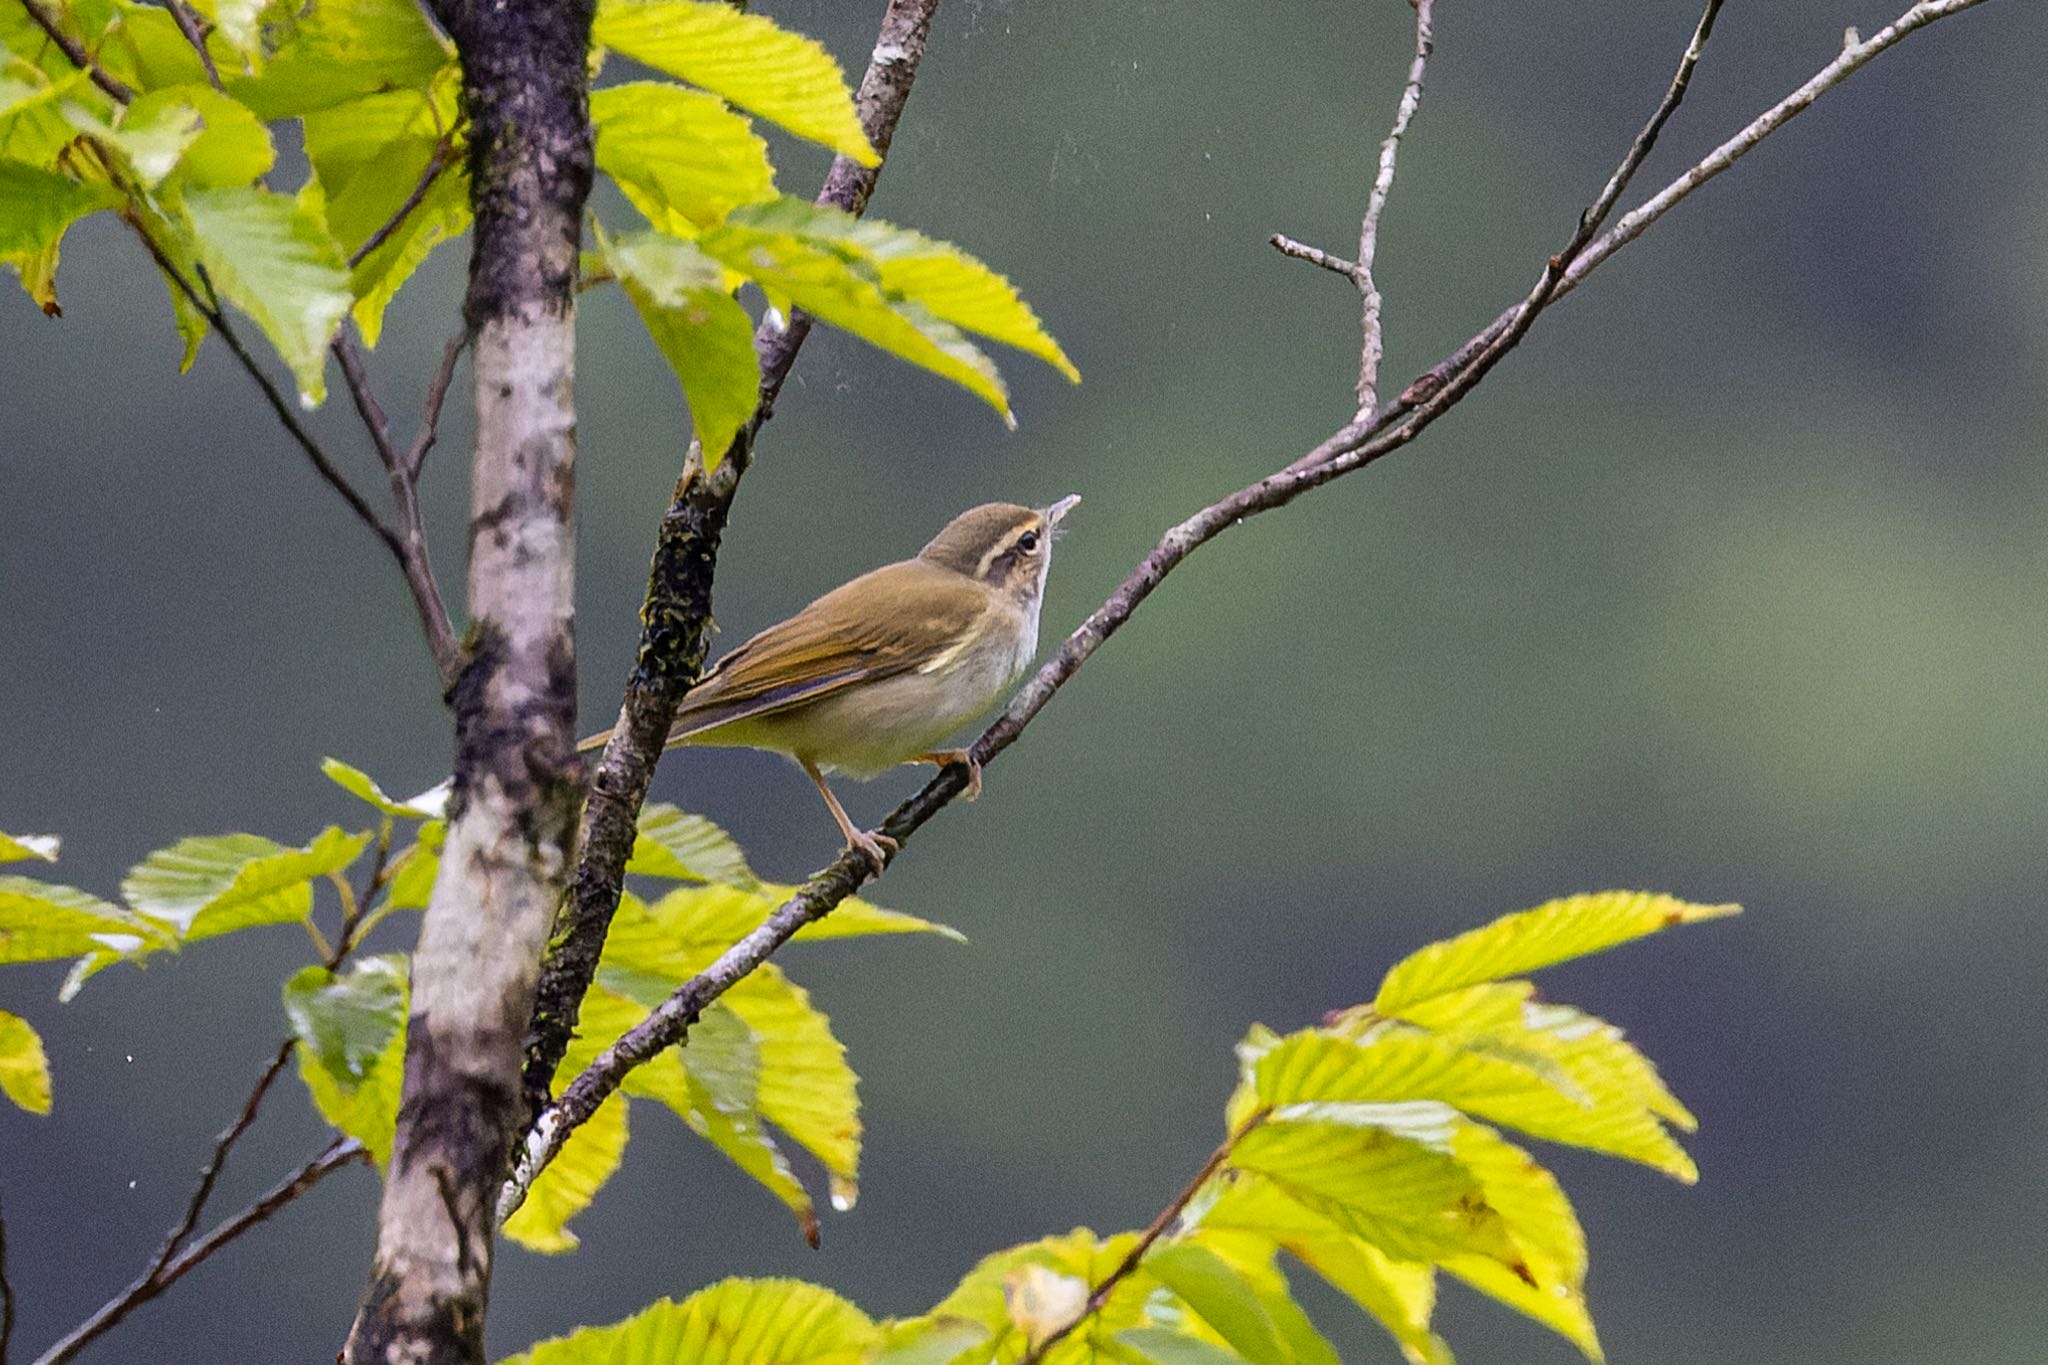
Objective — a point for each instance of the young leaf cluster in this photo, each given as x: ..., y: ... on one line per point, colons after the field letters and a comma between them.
x: 1366, y: 1150
x: 178, y: 135
x: 763, y: 1068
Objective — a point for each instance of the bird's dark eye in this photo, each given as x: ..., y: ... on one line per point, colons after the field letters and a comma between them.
x: 1028, y: 541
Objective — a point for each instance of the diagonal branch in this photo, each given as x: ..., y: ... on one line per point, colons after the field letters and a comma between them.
x: 1366, y: 438
x: 678, y: 607
x: 74, y: 51
x: 1098, y: 1295
x: 157, y: 1279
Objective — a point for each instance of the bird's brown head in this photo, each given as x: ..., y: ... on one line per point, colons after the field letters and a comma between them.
x: 1000, y: 544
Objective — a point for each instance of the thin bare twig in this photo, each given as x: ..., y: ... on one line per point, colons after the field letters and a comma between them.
x: 441, y: 160
x: 414, y: 562
x: 188, y: 24
x: 1315, y: 255
x: 437, y: 393
x: 1098, y: 1297
x: 6, y: 1295
x: 1373, y: 346
x: 75, y: 52
x: 1366, y: 438
x: 210, y: 1172
x: 333, y: 1157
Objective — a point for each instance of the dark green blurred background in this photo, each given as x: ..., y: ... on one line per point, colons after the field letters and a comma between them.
x: 1732, y: 582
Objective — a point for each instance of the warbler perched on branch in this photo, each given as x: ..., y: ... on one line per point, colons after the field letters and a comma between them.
x: 880, y: 670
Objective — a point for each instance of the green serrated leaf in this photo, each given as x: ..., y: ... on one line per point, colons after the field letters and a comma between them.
x: 351, y: 1053
x: 699, y: 328
x: 784, y: 77
x: 272, y: 258
x: 229, y: 146
x: 837, y: 281
x: 1411, y: 1198
x: 442, y: 215
x: 33, y: 126
x: 567, y: 1184
x: 211, y: 885
x: 15, y: 847
x: 1163, y: 1346
x: 24, y: 1067
x: 807, y: 1088
x: 734, y: 1322
x: 1225, y: 1300
x: 953, y: 285
x: 363, y: 787
x: 927, y: 1341
x: 37, y: 206
x: 1574, y: 926
x: 680, y: 156
x: 42, y: 921
x: 683, y: 847
x: 413, y: 870
x: 1022, y: 1293
x: 714, y: 1085
x: 331, y: 51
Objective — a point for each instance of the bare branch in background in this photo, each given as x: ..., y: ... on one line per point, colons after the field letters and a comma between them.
x: 1358, y: 443
x: 413, y: 560
x: 678, y: 605
x: 6, y: 1294
x: 1373, y: 346
x: 157, y: 1279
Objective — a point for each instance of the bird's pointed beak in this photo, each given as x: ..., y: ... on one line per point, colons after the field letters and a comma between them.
x: 1059, y: 509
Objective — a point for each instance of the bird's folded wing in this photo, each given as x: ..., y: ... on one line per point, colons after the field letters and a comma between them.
x: 883, y: 623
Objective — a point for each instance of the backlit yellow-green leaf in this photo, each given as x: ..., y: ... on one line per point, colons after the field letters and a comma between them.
x: 363, y: 787
x: 24, y: 1069
x: 1601, y: 1094
x: 351, y: 1045
x: 330, y: 51
x: 807, y: 1088
x: 953, y: 285
x: 1412, y: 1199
x: 273, y: 259
x: 927, y: 1341
x: 217, y: 884
x: 36, y: 206
x: 1027, y: 1291
x: 674, y: 844
x: 1163, y: 1346
x: 414, y: 868
x: 699, y: 328
x: 1226, y: 1301
x: 734, y: 1322
x: 840, y: 284
x: 784, y: 77
x: 680, y: 156
x: 33, y: 127
x: 442, y: 215
x: 41, y: 921
x: 1572, y: 927
x: 15, y: 847
x: 567, y: 1184
x: 232, y: 147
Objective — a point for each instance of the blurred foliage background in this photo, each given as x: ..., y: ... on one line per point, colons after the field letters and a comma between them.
x: 1732, y: 582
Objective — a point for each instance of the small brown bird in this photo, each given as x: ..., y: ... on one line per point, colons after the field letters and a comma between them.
x: 877, y: 672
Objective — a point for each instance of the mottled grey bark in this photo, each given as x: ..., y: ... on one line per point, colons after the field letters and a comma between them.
x: 513, y: 817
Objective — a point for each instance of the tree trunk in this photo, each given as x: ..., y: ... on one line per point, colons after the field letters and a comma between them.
x: 513, y: 817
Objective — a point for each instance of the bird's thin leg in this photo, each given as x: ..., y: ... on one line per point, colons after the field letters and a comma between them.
x: 873, y: 845
x: 956, y: 758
